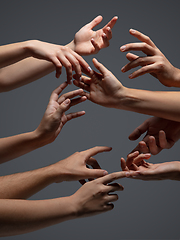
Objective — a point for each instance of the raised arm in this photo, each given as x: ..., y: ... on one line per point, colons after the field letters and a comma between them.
x: 49, y: 128
x: 86, y: 41
x: 105, y: 89
x: 22, y: 216
x: 154, y: 63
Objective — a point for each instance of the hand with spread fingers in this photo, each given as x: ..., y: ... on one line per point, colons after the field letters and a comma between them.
x: 77, y: 166
x: 137, y: 168
x: 160, y: 134
x: 102, y: 88
x: 88, y: 42
x: 154, y: 63
x: 55, y: 118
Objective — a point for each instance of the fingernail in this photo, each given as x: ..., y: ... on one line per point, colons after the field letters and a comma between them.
x: 80, y: 79
x: 67, y: 101
x: 105, y: 173
x: 123, y: 48
x: 127, y: 174
x: 122, y: 69
x: 70, y: 82
x: 90, y: 69
x: 147, y: 154
x: 132, y: 30
x: 130, y: 76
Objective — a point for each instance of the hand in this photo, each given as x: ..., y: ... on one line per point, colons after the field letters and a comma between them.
x: 94, y: 197
x: 88, y: 42
x: 136, y: 167
x: 75, y: 167
x: 155, y: 62
x: 55, y: 118
x: 160, y: 134
x: 102, y: 88
x: 59, y: 56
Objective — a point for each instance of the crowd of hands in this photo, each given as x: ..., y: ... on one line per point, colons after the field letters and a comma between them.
x: 34, y: 59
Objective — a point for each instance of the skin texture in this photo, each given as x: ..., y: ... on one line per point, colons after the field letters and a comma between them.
x: 160, y: 134
x: 25, y: 62
x: 49, y: 128
x: 137, y: 168
x: 154, y: 63
x: 94, y: 197
x: 106, y: 90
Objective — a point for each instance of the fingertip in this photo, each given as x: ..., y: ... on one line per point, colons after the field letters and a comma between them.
x: 132, y: 31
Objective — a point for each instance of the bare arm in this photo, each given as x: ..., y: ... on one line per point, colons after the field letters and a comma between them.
x: 27, y: 70
x: 74, y: 168
x: 22, y: 216
x: 53, y: 121
x: 106, y: 90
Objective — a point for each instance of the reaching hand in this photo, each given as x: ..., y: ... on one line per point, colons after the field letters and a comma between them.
x: 96, y: 196
x: 59, y: 56
x: 137, y: 168
x: 55, y: 118
x: 88, y: 42
x: 155, y: 62
x: 75, y: 167
x: 102, y: 88
x: 160, y: 134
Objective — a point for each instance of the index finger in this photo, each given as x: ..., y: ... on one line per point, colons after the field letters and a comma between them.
x: 142, y: 37
x: 111, y: 177
x: 95, y: 150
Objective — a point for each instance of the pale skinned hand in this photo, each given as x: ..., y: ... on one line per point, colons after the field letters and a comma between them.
x: 160, y: 134
x: 76, y: 166
x: 88, y: 42
x: 102, y: 88
x: 95, y: 196
x: 137, y: 168
x: 55, y: 118
x: 59, y: 56
x: 154, y: 63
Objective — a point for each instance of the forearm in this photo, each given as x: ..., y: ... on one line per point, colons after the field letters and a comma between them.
x: 18, y: 145
x: 155, y: 103
x: 24, y: 72
x: 23, y: 216
x: 23, y: 185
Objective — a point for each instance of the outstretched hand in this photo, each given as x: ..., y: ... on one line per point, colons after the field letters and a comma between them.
x: 154, y: 63
x: 160, y: 134
x: 102, y: 88
x: 88, y: 42
x: 55, y: 118
x: 78, y: 166
x: 137, y: 168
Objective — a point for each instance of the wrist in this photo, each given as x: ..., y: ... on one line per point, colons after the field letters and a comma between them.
x: 175, y: 171
x: 29, y: 47
x: 71, y: 45
x: 176, y: 78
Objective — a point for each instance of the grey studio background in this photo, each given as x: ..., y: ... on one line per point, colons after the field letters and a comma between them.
x: 145, y: 210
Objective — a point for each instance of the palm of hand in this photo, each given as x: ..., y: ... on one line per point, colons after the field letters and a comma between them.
x: 83, y: 44
x: 104, y: 90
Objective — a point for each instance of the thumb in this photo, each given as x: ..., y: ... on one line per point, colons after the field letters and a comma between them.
x: 95, y: 22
